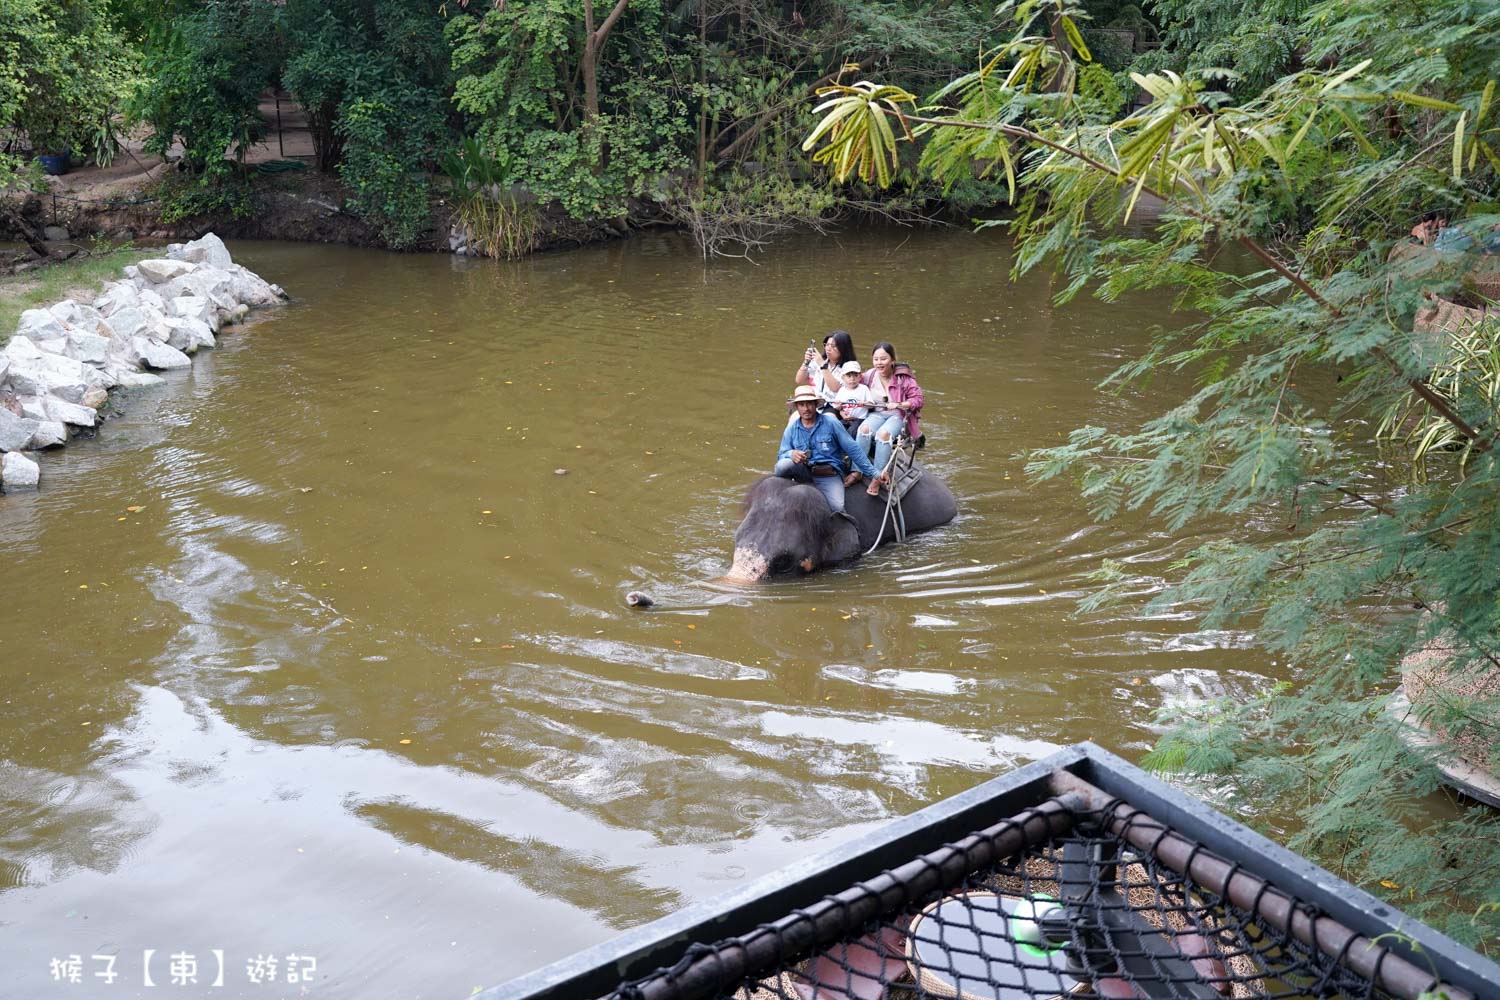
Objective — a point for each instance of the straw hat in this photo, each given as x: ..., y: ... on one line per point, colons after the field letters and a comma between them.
x: 805, y: 394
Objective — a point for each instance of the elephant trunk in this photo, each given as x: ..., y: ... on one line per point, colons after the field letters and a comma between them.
x: 749, y: 567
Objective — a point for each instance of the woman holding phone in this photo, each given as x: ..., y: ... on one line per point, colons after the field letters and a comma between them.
x: 821, y: 370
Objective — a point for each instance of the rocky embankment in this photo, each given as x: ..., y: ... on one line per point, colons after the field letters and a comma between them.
x: 58, y: 369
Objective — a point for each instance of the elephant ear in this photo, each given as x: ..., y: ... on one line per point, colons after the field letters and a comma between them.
x: 841, y: 544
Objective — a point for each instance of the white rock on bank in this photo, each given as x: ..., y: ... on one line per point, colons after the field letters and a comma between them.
x: 127, y: 322
x: 21, y: 348
x: 251, y: 289
x: 117, y: 295
x: 57, y: 370
x: 17, y: 472
x: 158, y: 330
x: 70, y: 413
x: 49, y: 434
x: 188, y: 335
x: 76, y: 314
x: 157, y: 271
x: 69, y: 379
x: 15, y: 432
x: 158, y: 355
x: 129, y: 378
x: 28, y: 379
x: 89, y: 348
x: 39, y: 325
x: 208, y: 250
x: 195, y: 307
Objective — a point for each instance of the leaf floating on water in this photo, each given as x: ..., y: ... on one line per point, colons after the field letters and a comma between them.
x: 1385, y: 881
x: 692, y: 626
x: 1137, y: 680
x: 677, y: 642
x: 136, y: 508
x: 83, y: 586
x: 764, y: 427
x: 846, y: 617
x: 405, y: 742
x: 506, y: 646
x: 121, y: 519
x: 486, y: 512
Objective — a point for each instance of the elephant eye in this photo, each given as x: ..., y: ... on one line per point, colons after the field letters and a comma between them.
x: 782, y: 563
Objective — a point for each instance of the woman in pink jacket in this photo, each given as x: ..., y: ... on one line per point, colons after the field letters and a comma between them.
x: 899, y: 399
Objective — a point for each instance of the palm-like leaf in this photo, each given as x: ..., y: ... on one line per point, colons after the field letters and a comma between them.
x: 861, y: 141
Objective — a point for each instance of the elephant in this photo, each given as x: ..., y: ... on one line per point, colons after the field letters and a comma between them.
x: 787, y: 526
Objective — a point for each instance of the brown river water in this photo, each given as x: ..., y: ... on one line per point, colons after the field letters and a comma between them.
x: 311, y: 652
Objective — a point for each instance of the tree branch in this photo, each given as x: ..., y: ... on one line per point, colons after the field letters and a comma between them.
x: 1417, y: 385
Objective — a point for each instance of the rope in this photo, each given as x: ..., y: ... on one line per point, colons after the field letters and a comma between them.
x: 892, y: 499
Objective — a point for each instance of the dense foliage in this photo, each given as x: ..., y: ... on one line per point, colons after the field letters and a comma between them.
x: 65, y: 71
x: 689, y: 110
x: 205, y: 73
x: 1353, y: 564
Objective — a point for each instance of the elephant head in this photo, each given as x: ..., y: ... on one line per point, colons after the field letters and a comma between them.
x: 787, y: 528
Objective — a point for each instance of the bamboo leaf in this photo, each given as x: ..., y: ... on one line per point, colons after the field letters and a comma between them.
x: 1010, y: 170
x: 1075, y: 38
x: 1346, y: 76
x: 1152, y: 85
x: 1484, y: 104
x: 1301, y: 134
x: 848, y: 107
x: 1354, y: 130
x: 1130, y: 205
x: 1407, y: 97
x: 1458, y: 147
x: 1489, y: 154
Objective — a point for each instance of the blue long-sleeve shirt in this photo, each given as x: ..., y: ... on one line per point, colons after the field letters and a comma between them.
x: 825, y: 441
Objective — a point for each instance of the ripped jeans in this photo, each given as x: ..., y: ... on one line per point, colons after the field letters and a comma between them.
x: 884, y: 426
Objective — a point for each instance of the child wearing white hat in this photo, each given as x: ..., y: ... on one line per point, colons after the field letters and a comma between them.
x: 853, y: 398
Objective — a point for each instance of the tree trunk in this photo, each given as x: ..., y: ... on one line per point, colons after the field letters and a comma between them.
x: 593, y: 50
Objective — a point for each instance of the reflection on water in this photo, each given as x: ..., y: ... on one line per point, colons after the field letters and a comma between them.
x: 357, y: 679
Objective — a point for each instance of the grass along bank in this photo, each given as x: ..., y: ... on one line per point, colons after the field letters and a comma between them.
x: 81, y: 276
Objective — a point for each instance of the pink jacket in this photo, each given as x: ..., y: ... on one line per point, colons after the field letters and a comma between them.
x: 904, y: 389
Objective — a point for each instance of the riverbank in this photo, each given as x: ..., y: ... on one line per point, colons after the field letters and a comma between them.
x: 57, y: 371
x: 132, y: 200
x: 70, y: 279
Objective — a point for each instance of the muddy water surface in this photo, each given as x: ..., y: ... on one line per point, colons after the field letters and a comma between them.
x: 312, y: 652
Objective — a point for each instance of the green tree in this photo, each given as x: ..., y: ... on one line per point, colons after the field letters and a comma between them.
x: 1349, y: 566
x: 1243, y: 48
x: 374, y: 77
x: 65, y: 75
x: 205, y: 73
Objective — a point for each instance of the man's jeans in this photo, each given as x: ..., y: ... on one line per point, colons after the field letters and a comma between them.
x: 832, y: 487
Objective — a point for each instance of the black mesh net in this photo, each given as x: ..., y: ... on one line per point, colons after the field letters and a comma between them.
x: 1044, y: 905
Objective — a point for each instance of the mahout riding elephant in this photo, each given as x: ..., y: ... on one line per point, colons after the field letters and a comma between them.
x: 787, y: 527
